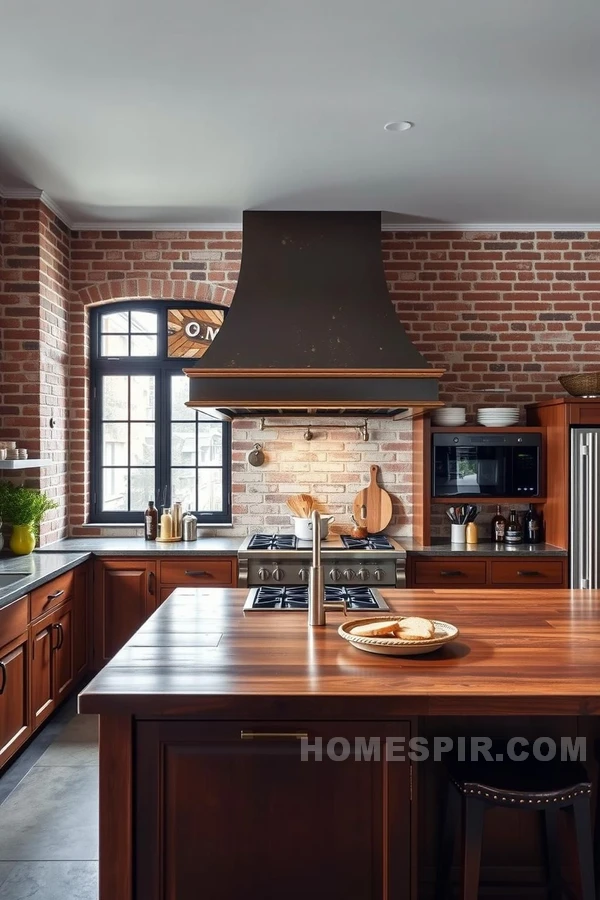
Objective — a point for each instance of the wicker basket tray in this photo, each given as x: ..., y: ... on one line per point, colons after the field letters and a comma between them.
x: 586, y: 384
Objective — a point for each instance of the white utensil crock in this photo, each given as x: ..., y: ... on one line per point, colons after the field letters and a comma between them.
x: 303, y: 527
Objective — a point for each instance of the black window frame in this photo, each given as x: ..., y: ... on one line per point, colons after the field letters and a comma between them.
x: 162, y: 368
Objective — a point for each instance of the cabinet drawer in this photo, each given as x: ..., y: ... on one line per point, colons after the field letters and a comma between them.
x: 533, y: 572
x: 51, y: 594
x: 13, y: 620
x: 448, y: 572
x: 198, y: 570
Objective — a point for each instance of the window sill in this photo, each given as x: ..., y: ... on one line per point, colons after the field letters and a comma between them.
x: 139, y: 527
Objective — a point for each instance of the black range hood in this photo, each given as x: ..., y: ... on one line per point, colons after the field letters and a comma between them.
x: 312, y: 329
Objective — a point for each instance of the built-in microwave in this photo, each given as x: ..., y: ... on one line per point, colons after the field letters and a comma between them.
x: 474, y: 464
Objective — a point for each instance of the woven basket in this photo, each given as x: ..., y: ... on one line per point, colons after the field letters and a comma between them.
x: 586, y: 384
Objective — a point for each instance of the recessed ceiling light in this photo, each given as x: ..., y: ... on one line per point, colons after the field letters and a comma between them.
x: 399, y: 126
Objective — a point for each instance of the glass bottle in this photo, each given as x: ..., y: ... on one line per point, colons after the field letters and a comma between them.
x: 514, y: 533
x: 166, y: 524
x: 151, y: 522
x: 532, y: 531
x: 498, y: 527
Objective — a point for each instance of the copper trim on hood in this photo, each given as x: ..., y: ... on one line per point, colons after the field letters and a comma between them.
x: 312, y: 326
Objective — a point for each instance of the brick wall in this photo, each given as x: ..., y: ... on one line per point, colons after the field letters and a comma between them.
x: 54, y: 399
x: 34, y: 286
x: 501, y: 311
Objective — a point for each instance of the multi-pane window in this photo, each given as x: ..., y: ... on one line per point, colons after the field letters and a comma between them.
x: 146, y: 443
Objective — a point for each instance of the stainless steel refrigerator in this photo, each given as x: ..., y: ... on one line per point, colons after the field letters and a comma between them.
x: 585, y: 508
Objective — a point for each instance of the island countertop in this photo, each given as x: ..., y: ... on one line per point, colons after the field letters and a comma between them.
x: 200, y: 656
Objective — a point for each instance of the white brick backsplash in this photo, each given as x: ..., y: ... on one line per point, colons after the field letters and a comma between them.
x: 333, y: 468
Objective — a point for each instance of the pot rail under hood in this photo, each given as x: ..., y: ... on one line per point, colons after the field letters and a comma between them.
x: 312, y: 328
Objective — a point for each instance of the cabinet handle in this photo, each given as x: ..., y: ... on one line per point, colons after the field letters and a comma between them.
x: 3, y: 670
x: 273, y: 735
x: 61, y: 635
x: 151, y: 577
x: 529, y: 573
x: 198, y: 574
x: 451, y: 573
x: 55, y: 595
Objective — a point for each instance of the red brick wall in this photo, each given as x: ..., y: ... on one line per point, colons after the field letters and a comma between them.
x: 34, y: 286
x: 503, y: 310
x: 509, y: 310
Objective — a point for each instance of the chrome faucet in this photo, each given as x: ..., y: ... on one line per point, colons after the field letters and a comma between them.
x: 316, y: 579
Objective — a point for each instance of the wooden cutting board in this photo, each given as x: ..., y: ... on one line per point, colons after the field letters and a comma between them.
x: 373, y: 506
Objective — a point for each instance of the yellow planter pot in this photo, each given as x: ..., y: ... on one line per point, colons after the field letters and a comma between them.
x: 22, y: 540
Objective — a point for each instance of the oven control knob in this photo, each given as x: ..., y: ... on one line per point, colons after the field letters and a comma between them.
x: 349, y: 574
x: 379, y: 574
x: 303, y: 574
x: 335, y: 574
x: 363, y: 574
x: 278, y: 574
x: 263, y: 574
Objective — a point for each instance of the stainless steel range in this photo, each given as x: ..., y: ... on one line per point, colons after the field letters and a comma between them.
x: 277, y: 565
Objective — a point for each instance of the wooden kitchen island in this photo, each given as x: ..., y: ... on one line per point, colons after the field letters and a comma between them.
x: 203, y: 792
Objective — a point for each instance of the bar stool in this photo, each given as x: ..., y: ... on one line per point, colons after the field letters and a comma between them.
x: 536, y: 786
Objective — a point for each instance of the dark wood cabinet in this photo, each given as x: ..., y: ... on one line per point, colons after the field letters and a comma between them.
x: 42, y: 678
x: 447, y: 572
x: 199, y: 571
x: 64, y: 674
x: 82, y: 636
x: 15, y: 719
x: 204, y: 788
x: 531, y: 571
x: 44, y: 652
x: 125, y: 595
x: 558, y: 416
x: 52, y: 671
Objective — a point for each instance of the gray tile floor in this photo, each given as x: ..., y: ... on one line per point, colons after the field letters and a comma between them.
x: 49, y: 819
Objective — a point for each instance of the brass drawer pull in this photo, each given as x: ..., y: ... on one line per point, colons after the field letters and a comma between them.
x: 199, y: 574
x: 273, y: 735
x: 451, y: 573
x: 529, y: 573
x: 55, y: 595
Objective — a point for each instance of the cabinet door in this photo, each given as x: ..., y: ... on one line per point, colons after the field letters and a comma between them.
x: 81, y: 621
x: 15, y: 721
x: 63, y: 651
x: 247, y: 817
x: 124, y: 597
x: 447, y: 572
x: 585, y: 414
x: 42, y: 680
x: 200, y: 571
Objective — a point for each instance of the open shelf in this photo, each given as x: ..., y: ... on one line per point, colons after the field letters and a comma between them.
x: 483, y: 429
x: 24, y: 463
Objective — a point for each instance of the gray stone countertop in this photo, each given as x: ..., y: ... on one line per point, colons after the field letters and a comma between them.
x: 33, y: 570
x: 443, y: 547
x: 134, y: 546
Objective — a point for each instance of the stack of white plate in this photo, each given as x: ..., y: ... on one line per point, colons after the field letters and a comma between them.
x: 449, y: 416
x: 498, y: 416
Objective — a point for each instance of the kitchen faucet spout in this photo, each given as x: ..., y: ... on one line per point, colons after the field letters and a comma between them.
x: 316, y: 579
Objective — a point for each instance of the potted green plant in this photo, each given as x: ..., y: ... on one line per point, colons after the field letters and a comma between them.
x: 24, y: 508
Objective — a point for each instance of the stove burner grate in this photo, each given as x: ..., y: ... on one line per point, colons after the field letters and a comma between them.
x: 371, y: 542
x: 297, y: 597
x: 272, y: 542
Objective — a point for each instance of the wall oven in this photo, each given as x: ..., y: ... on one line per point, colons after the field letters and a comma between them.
x: 470, y: 464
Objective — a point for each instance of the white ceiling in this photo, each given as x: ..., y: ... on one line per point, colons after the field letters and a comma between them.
x: 188, y: 111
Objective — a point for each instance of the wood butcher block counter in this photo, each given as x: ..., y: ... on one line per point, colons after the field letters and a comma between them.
x: 534, y: 653
x: 203, y: 792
